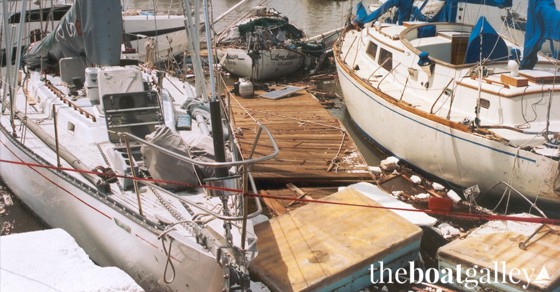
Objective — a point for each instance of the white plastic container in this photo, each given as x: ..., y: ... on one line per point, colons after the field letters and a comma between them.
x: 91, y: 84
x: 246, y: 88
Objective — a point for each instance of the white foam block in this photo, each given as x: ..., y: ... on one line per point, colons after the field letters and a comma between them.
x: 386, y: 200
x: 51, y: 260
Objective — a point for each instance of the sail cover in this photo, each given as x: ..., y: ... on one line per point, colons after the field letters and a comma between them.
x: 404, y: 10
x: 543, y: 22
x: 91, y: 29
x: 484, y: 42
x: 448, y: 12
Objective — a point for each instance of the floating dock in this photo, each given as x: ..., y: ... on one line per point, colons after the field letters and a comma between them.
x: 327, y: 247
x: 535, y: 267
x: 314, y: 147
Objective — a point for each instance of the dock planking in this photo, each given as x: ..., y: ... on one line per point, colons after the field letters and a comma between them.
x: 510, y: 268
x: 330, y: 247
x: 314, y: 147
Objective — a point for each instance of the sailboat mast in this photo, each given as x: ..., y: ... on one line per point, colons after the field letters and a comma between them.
x: 210, y: 53
x: 15, y: 69
x: 193, y: 45
x: 7, y: 52
x: 215, y: 109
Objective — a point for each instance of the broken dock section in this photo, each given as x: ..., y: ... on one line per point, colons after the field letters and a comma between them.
x: 331, y: 247
x: 314, y: 147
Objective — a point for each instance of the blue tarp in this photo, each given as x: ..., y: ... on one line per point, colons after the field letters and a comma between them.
x: 543, y: 22
x: 448, y: 12
x: 404, y: 6
x: 493, y: 46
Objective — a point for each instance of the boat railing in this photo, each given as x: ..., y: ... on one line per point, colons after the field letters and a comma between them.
x: 214, y: 183
x: 206, y: 210
x: 210, y: 163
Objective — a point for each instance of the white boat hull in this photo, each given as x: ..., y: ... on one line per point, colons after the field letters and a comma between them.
x: 267, y: 64
x: 168, y: 31
x: 456, y: 156
x: 108, y: 236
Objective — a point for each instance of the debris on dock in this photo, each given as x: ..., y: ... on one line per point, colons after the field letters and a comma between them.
x: 314, y: 146
x: 286, y: 199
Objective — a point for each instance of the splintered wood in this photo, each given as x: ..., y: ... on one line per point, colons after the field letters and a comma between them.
x: 286, y: 199
x: 314, y: 147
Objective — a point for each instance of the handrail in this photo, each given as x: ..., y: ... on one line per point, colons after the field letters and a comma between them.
x: 135, y: 109
x: 388, y: 73
x: 440, y: 95
x: 134, y: 124
x: 211, y: 164
x: 248, y: 162
x: 62, y: 97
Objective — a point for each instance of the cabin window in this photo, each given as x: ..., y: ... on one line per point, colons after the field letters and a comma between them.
x: 71, y: 127
x: 371, y: 50
x: 385, y: 59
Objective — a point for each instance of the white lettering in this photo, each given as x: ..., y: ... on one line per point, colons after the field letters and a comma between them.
x: 485, y: 278
x: 470, y: 273
x: 372, y: 270
x: 512, y: 273
x: 389, y: 272
x: 459, y: 271
x: 528, y: 277
x: 447, y: 276
x: 400, y: 273
x: 470, y: 278
x: 412, y: 273
x: 435, y: 274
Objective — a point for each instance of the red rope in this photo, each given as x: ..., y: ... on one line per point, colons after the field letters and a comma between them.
x: 93, y: 172
x: 488, y: 217
x: 427, y: 211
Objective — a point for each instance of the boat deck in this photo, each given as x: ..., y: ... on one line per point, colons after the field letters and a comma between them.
x: 325, y: 247
x: 314, y: 147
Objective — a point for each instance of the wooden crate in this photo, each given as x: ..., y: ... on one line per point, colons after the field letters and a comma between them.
x: 518, y: 81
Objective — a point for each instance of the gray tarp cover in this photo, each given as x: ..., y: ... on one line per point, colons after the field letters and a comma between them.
x: 169, y: 169
x: 91, y: 29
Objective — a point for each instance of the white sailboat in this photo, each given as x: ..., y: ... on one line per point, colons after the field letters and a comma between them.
x: 108, y: 153
x: 166, y: 29
x: 260, y: 46
x: 444, y: 97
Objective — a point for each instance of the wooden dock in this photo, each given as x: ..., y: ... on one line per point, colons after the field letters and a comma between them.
x: 330, y: 247
x: 314, y: 147
x: 534, y: 268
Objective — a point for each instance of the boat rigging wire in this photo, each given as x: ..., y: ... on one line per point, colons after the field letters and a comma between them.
x: 552, y: 221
